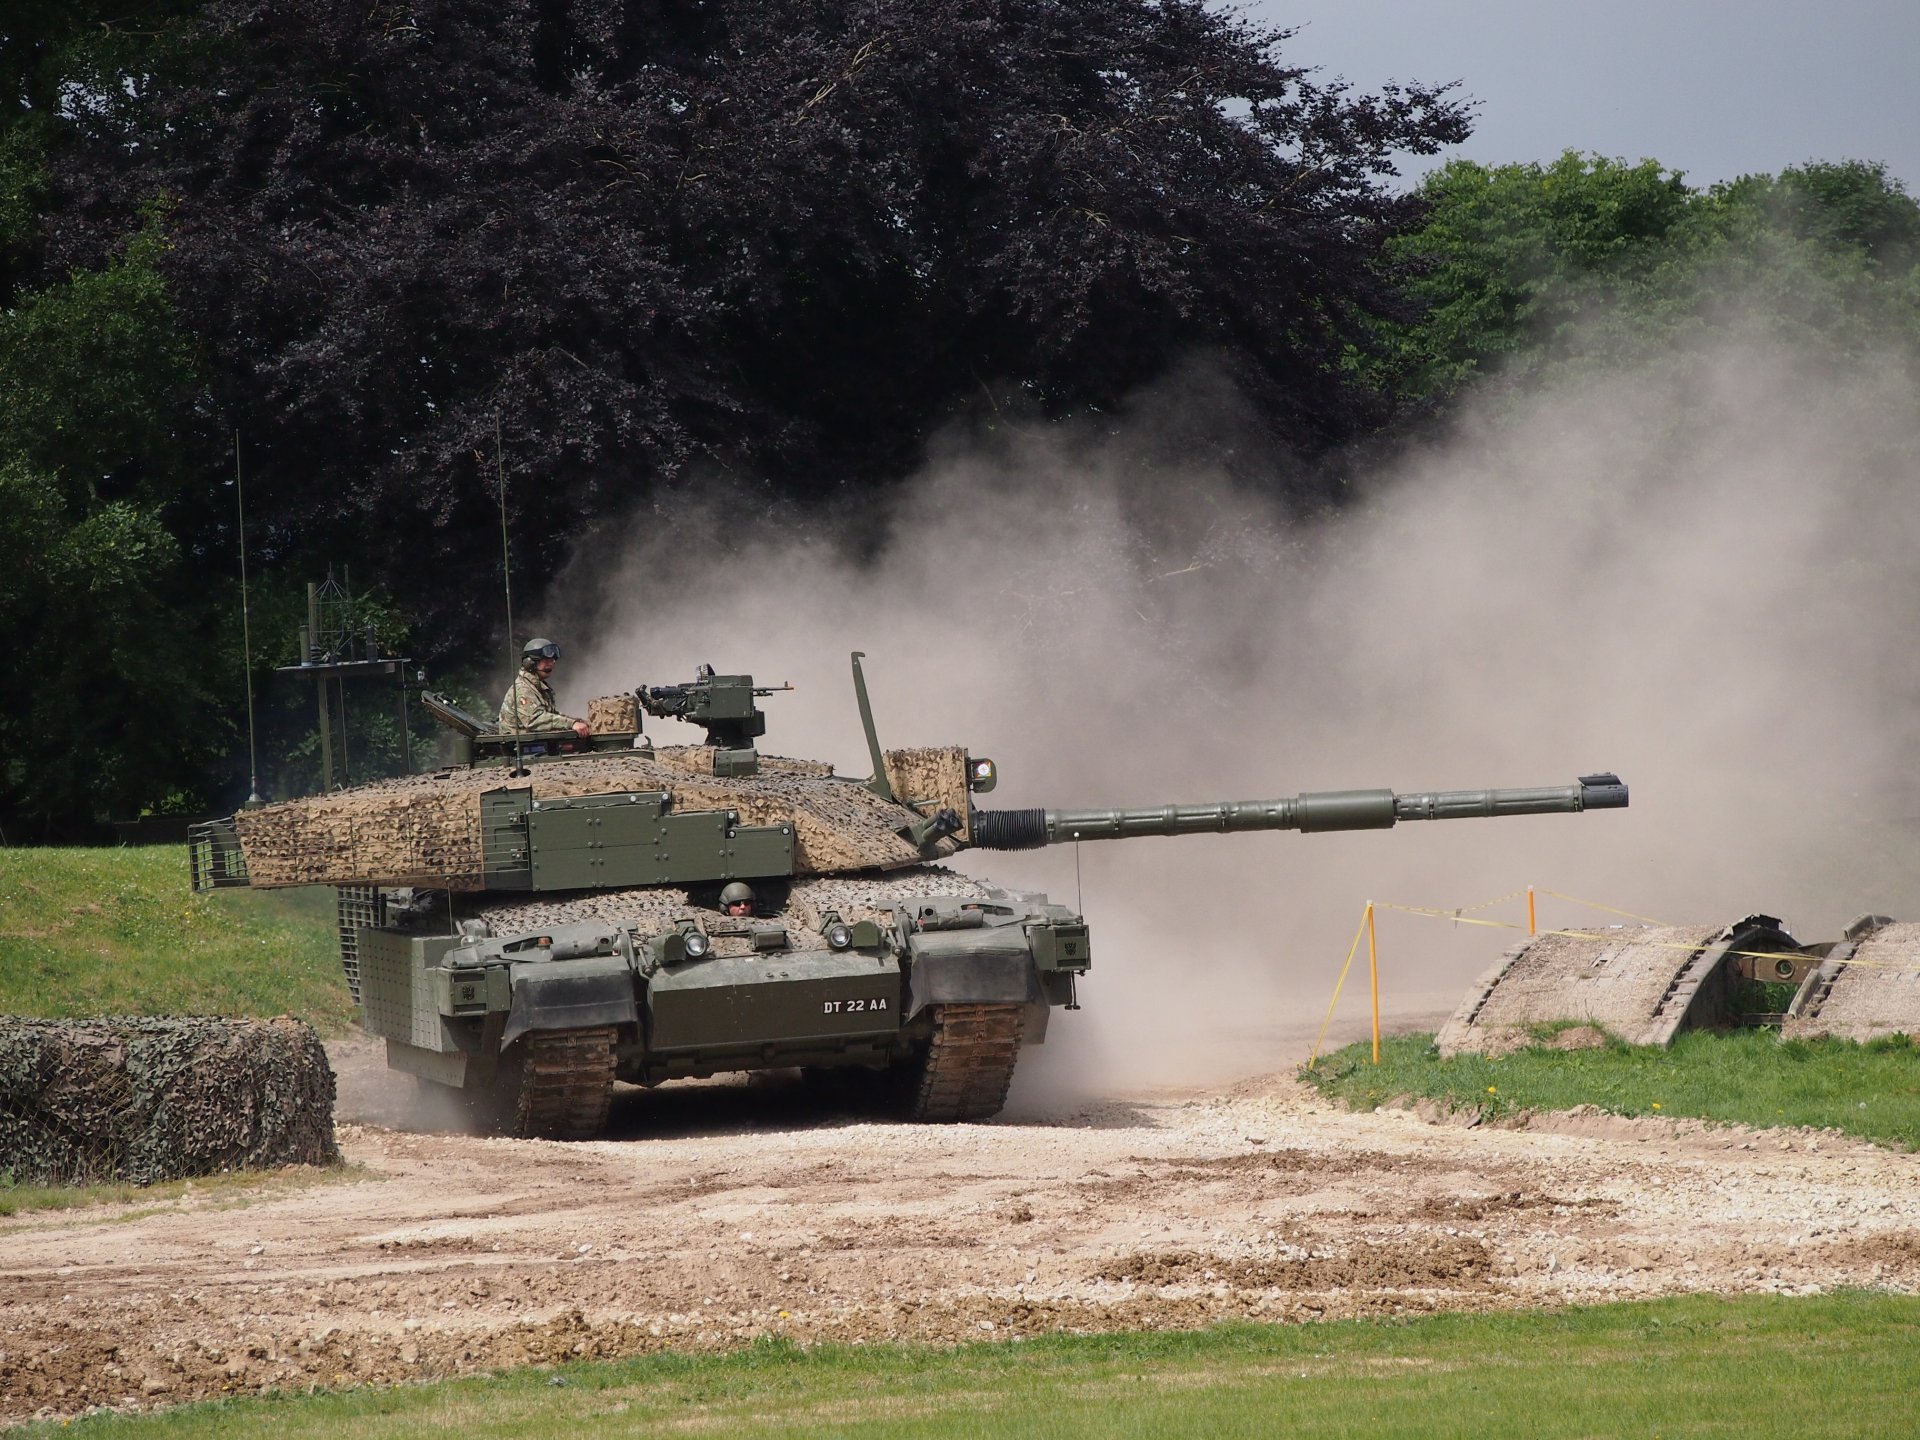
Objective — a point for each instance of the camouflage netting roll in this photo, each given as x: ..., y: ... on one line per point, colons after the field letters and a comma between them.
x: 146, y: 1099
x: 613, y: 715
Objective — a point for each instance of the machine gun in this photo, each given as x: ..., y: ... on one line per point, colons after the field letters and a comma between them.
x: 721, y: 704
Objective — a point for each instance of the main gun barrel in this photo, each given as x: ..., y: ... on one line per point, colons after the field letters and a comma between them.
x: 1330, y: 810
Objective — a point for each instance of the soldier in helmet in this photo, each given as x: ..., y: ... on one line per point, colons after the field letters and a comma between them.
x: 737, y: 899
x: 529, y: 703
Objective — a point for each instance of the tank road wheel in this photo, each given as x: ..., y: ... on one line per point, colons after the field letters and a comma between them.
x: 562, y: 1086
x: 966, y: 1071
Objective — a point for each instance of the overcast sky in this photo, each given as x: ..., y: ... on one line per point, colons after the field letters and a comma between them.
x: 1713, y: 89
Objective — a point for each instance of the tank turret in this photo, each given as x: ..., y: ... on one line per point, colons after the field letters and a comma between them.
x: 545, y: 913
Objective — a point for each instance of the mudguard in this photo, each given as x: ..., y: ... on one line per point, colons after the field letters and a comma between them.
x: 972, y: 967
x: 570, y: 995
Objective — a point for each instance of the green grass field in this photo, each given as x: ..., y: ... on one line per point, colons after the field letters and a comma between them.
x: 1746, y: 1077
x: 118, y: 932
x: 1758, y: 1368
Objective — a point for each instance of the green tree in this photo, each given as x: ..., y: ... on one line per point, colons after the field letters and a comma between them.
x: 1529, y: 272
x: 111, y: 525
x: 111, y: 711
x: 1826, y: 256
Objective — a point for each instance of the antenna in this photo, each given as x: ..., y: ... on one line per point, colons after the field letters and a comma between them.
x: 246, y: 626
x: 879, y: 784
x: 506, y: 584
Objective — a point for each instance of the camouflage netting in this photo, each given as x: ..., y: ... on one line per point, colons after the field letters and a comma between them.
x: 659, y: 908
x: 613, y: 715
x: 146, y: 1099
x: 931, y: 779
x: 424, y: 830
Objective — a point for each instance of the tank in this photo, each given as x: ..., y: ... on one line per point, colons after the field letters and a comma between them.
x: 542, y: 915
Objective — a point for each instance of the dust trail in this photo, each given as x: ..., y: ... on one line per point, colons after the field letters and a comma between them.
x: 1700, y: 576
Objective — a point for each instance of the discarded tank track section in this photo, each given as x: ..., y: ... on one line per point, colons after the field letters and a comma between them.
x: 562, y: 1086
x: 969, y: 1065
x: 1867, y: 985
x: 1645, y: 984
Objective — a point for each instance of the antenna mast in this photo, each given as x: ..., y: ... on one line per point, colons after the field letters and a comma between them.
x: 506, y: 581
x: 246, y: 626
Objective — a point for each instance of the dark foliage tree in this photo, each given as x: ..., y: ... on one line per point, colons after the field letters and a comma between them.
x: 783, y: 239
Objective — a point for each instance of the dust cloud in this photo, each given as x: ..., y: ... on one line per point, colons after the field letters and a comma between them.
x: 1701, y: 576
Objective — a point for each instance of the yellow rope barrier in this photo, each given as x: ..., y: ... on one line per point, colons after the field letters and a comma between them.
x: 1488, y: 904
x: 1596, y: 905
x: 1352, y: 950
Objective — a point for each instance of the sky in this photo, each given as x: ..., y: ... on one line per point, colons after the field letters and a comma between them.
x: 1716, y: 90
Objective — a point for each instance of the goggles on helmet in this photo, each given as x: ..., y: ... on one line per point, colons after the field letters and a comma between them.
x: 548, y: 651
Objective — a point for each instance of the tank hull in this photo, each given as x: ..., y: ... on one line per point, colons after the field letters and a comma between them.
x: 935, y: 992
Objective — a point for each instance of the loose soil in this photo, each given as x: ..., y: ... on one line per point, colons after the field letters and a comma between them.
x: 717, y: 1213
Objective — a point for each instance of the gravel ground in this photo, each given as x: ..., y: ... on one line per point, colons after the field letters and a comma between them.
x: 720, y: 1212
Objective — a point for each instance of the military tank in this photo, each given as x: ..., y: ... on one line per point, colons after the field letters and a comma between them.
x: 543, y: 914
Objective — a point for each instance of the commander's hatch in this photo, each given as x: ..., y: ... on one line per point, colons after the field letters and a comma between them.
x: 472, y: 741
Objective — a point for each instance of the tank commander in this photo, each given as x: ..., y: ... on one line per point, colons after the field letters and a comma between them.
x: 529, y: 702
x: 737, y: 899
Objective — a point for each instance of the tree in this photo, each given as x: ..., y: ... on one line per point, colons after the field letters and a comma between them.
x: 1537, y: 271
x: 114, y: 708
x: 783, y: 239
x: 114, y: 704
x: 614, y: 247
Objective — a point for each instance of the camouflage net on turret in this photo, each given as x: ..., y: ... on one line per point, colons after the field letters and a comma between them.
x: 425, y: 830
x: 932, y: 779
x: 613, y: 715
x: 147, y: 1099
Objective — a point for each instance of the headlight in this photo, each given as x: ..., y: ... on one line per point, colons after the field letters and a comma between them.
x: 697, y: 944
x: 839, y: 935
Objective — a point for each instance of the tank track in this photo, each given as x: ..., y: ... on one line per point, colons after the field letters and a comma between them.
x: 565, y: 1085
x: 968, y: 1067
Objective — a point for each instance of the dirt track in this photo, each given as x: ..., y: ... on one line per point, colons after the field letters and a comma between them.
x: 735, y: 1211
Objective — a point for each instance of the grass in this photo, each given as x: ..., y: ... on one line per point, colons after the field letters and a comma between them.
x: 1756, y: 1367
x: 1746, y: 1077
x: 225, y: 1190
x: 118, y: 932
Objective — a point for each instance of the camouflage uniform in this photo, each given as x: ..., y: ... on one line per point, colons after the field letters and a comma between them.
x: 529, y: 705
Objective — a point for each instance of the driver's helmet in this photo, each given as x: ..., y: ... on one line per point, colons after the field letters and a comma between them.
x: 737, y: 893
x: 539, y: 649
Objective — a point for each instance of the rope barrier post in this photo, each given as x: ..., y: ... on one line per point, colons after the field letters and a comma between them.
x: 1533, y: 927
x: 1373, y: 972
x: 1338, y: 985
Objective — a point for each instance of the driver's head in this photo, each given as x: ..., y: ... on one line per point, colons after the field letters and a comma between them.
x: 737, y: 899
